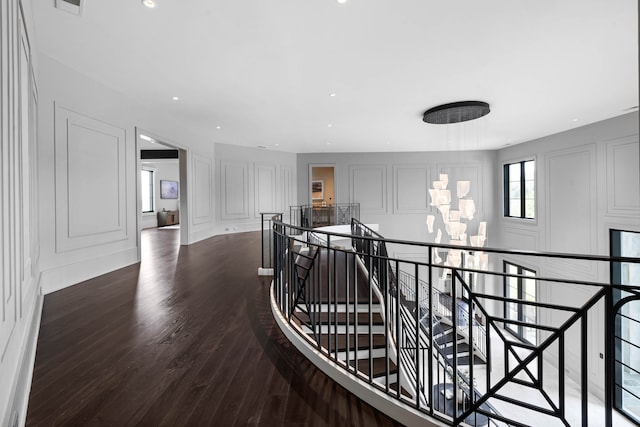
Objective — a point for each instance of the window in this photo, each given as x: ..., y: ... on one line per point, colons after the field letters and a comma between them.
x: 520, y: 190
x: 627, y: 324
x: 521, y: 288
x: 146, y: 183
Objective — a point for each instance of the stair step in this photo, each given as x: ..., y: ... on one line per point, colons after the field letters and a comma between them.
x: 377, y: 341
x: 379, y: 366
x: 360, y: 353
x: 341, y: 318
x: 403, y: 391
x: 462, y: 348
x: 341, y: 329
x: 464, y: 360
x: 341, y: 307
x: 447, y: 340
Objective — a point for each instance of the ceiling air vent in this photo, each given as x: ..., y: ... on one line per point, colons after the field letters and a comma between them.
x: 71, y: 6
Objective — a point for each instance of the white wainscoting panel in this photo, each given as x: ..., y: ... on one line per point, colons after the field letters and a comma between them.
x: 287, y: 189
x: 369, y: 187
x: 234, y: 192
x: 10, y: 170
x: 19, y: 237
x: 264, y: 189
x: 519, y: 238
x: 571, y: 207
x: 202, y: 203
x: 623, y: 177
x: 90, y: 193
x: 410, y: 188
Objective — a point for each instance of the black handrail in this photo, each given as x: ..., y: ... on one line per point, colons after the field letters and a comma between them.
x: 360, y: 281
x: 312, y: 216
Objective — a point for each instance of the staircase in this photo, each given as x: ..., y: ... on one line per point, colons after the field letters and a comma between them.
x: 341, y: 314
x: 338, y: 308
x: 444, y: 338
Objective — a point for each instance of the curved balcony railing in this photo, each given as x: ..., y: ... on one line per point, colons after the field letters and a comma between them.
x: 347, y: 305
x: 312, y: 216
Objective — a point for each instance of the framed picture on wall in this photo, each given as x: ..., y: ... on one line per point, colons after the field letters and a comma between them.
x: 168, y: 189
x: 317, y: 189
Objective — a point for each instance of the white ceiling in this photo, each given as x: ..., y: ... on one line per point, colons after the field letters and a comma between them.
x: 263, y: 70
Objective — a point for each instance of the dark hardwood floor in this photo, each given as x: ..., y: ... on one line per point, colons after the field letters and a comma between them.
x: 184, y: 338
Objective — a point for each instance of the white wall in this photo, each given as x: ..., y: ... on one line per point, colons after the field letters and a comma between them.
x: 587, y: 182
x: 392, y: 188
x: 250, y: 181
x: 163, y: 170
x: 20, y: 301
x: 88, y: 223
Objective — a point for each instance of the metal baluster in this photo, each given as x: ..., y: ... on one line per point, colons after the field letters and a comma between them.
x: 417, y: 354
x: 430, y: 327
x: 609, y: 355
x: 398, y: 338
x: 583, y: 368
x: 454, y: 316
x: 370, y: 265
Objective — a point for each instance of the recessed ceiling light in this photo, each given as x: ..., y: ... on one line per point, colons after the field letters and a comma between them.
x: 575, y: 120
x: 329, y: 125
x: 332, y: 95
x: 175, y: 98
x: 277, y: 145
x: 217, y: 127
x: 149, y: 3
x: 341, y: 1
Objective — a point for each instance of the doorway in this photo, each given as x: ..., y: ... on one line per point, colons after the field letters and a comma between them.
x: 162, y: 186
x: 322, y: 185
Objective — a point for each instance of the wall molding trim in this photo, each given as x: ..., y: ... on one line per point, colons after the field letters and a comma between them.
x: 411, y: 183
x: 369, y: 179
x: 264, y: 189
x: 83, y: 216
x: 575, y: 169
x: 21, y: 386
x: 619, y: 157
x: 202, y: 190
x: 233, y: 207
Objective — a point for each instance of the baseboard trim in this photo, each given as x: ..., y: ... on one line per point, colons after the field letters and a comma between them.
x: 22, y: 384
x: 64, y: 276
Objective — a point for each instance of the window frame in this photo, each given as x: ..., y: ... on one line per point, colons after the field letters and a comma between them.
x: 620, y: 368
x: 153, y: 190
x: 506, y: 193
x: 518, y: 331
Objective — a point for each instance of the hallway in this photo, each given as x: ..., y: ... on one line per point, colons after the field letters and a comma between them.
x: 184, y: 338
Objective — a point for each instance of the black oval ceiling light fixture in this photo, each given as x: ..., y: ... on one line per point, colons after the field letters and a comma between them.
x: 456, y: 112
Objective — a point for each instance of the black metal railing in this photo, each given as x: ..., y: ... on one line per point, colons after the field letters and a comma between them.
x: 347, y: 304
x: 312, y: 216
x: 266, y: 241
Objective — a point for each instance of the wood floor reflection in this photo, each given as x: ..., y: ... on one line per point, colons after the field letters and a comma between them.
x: 184, y: 338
